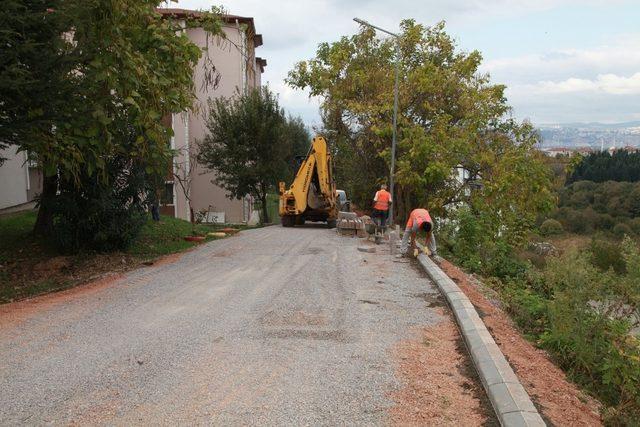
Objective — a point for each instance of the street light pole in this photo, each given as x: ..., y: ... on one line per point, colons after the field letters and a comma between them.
x: 395, y: 111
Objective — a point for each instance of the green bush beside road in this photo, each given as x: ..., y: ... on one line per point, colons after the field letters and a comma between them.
x: 581, y: 306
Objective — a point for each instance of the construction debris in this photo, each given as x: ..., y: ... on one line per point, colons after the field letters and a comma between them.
x: 367, y: 249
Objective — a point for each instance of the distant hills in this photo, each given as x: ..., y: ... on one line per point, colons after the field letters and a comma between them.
x: 594, y: 135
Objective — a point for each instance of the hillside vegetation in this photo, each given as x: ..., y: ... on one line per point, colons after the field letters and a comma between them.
x: 574, y: 285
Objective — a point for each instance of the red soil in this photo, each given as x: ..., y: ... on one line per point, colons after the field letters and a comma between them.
x: 559, y: 400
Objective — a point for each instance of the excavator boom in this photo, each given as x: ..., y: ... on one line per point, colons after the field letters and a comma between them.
x: 312, y: 195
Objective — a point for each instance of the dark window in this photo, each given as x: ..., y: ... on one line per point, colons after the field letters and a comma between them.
x: 167, y: 194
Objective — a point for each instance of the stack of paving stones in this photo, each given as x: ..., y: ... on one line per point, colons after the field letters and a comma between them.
x: 350, y: 225
x: 510, y: 401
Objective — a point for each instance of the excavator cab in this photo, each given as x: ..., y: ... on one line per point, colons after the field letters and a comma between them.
x: 312, y: 195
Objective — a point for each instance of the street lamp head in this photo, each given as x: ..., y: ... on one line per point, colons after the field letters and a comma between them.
x: 362, y: 22
x: 366, y: 24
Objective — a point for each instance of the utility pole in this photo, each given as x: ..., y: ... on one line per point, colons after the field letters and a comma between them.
x: 395, y: 111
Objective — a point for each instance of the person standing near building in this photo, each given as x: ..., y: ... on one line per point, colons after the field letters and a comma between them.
x: 381, y: 202
x: 419, y: 219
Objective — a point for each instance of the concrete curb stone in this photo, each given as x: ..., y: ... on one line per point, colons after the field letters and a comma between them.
x: 509, y: 399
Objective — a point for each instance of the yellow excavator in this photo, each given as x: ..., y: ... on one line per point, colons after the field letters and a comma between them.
x: 312, y: 195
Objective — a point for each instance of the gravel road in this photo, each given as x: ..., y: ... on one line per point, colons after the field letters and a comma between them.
x: 275, y: 326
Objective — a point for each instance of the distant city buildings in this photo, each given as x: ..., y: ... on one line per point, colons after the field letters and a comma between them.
x: 559, y: 140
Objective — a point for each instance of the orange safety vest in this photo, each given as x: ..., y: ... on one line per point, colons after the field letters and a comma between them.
x: 382, y: 203
x: 419, y: 216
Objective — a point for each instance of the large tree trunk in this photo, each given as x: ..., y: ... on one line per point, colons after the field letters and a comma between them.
x: 44, y: 221
x: 265, y: 211
x: 263, y: 202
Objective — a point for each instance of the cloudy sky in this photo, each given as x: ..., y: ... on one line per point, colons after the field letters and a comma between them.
x: 562, y: 60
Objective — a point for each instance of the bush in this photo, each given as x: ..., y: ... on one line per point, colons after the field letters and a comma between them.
x: 575, y: 221
x: 635, y: 225
x: 622, y: 229
x: 101, y: 215
x: 478, y: 249
x: 101, y: 224
x: 528, y: 308
x: 502, y: 263
x: 605, y: 222
x: 590, y: 318
x: 551, y: 227
x: 606, y: 255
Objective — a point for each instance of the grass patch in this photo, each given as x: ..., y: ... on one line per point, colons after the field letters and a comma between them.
x: 166, y: 237
x: 30, y: 266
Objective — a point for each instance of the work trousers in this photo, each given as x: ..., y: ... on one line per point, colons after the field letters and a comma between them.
x: 382, y: 215
x: 404, y: 246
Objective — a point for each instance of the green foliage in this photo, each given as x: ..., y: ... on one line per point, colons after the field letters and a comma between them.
x: 551, y: 227
x: 33, y: 69
x: 622, y: 229
x: 249, y: 142
x: 77, y: 72
x: 607, y: 255
x: 21, y: 251
x: 105, y: 216
x: 603, y: 166
x: 635, y: 225
x: 590, y: 319
x: 527, y: 307
x: 450, y: 115
x: 586, y: 206
x: 14, y: 230
x: 112, y: 62
x: 471, y: 242
x: 166, y: 236
x: 582, y: 308
x: 605, y: 222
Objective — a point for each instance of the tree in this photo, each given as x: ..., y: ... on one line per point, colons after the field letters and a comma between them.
x: 603, y: 166
x: 183, y: 173
x: 298, y: 141
x: 248, y: 143
x: 34, y: 61
x: 450, y: 115
x: 91, y: 68
x: 106, y: 214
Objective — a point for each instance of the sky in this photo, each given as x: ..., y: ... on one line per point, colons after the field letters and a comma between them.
x: 562, y: 60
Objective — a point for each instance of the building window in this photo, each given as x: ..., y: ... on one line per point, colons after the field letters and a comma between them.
x: 166, y: 198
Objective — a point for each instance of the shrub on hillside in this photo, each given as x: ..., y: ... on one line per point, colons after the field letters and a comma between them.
x: 605, y: 222
x: 590, y: 318
x: 477, y: 249
x: 528, y: 309
x: 622, y: 229
x: 606, y: 255
x: 635, y: 225
x: 551, y: 227
x: 575, y: 221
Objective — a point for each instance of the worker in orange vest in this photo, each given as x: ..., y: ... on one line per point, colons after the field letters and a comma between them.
x: 419, y: 219
x: 381, y: 202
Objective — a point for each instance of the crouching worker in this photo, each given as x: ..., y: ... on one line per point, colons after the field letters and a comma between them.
x: 419, y: 219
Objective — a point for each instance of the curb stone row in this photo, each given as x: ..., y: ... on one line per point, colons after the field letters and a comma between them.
x: 510, y: 401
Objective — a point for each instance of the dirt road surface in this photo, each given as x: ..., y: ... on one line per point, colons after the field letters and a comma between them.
x: 274, y: 326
